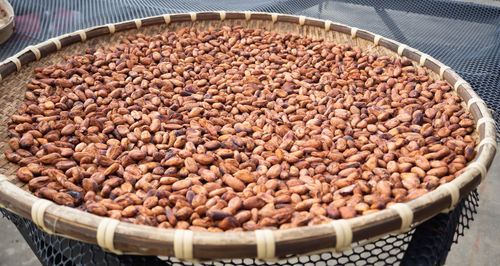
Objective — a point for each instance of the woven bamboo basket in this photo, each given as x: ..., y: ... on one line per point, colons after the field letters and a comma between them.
x: 123, y: 238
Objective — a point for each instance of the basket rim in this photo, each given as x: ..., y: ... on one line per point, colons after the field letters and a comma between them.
x: 119, y: 237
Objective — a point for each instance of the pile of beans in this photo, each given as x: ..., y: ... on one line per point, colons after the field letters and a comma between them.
x: 236, y: 129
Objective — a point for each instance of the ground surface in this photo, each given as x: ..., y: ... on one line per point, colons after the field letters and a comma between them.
x: 481, y: 243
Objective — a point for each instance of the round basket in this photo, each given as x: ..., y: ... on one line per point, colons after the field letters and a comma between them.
x: 124, y: 238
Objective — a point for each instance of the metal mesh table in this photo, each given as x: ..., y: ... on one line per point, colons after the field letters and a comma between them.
x: 464, y: 36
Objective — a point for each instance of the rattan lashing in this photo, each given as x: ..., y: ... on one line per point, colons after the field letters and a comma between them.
x: 264, y: 244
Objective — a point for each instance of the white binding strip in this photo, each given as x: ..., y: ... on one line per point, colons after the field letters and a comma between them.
x: 274, y: 17
x: 406, y: 215
x: 488, y: 141
x: 35, y: 51
x: 101, y: 230
x: 222, y: 15
x: 302, y: 20
x: 248, y: 15
x: 376, y: 39
x: 83, y: 35
x: 480, y: 167
x: 401, y: 48
x: 166, y: 17
x: 106, y: 234
x: 459, y: 83
x: 16, y: 61
x: 423, y: 57
x: 183, y: 244
x: 354, y: 30
x: 483, y: 120
x: 111, y: 28
x: 442, y: 69
x: 138, y: 23
x: 266, y: 247
x: 474, y: 100
x: 328, y: 24
x: 193, y: 16
x: 454, y: 192
x: 38, y: 211
x: 343, y: 233
x: 57, y: 43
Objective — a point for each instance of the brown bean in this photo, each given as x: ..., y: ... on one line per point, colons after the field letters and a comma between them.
x: 423, y: 163
x: 68, y: 130
x: 439, y: 171
x: 181, y: 184
x: 207, y: 175
x: 97, y: 209
x: 347, y: 212
x: 174, y: 161
x: 274, y: 171
x: 25, y: 174
x: 245, y: 176
x: 228, y: 223
x: 191, y: 165
x: 203, y: 158
x: 137, y: 155
x: 183, y: 213
x: 50, y: 158
x: 218, y: 214
x: 26, y: 140
x: 253, y: 202
x: 233, y: 182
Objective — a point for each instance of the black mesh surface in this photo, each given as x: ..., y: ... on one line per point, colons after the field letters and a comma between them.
x: 463, y: 35
x: 428, y: 244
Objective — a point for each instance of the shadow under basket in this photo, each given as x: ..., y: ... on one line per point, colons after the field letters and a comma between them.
x: 266, y: 245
